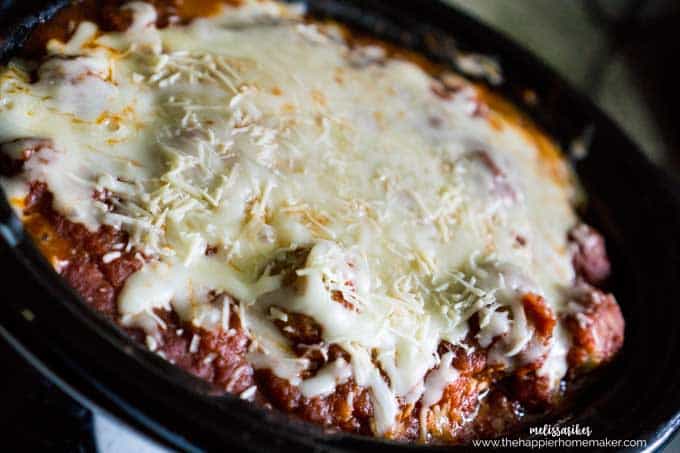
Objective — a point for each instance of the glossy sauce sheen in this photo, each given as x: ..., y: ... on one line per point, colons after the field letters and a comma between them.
x: 337, y: 233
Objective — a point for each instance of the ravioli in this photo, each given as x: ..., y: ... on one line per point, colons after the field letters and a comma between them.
x: 309, y: 222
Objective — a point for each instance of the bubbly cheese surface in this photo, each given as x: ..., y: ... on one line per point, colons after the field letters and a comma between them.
x: 254, y: 133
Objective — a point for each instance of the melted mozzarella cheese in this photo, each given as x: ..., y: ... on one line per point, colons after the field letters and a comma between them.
x: 253, y: 133
x: 438, y: 380
x: 324, y: 382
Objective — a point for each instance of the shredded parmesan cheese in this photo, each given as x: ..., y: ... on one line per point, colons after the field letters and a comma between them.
x: 218, y: 145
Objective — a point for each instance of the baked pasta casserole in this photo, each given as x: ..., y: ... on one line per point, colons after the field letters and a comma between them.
x: 316, y: 222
